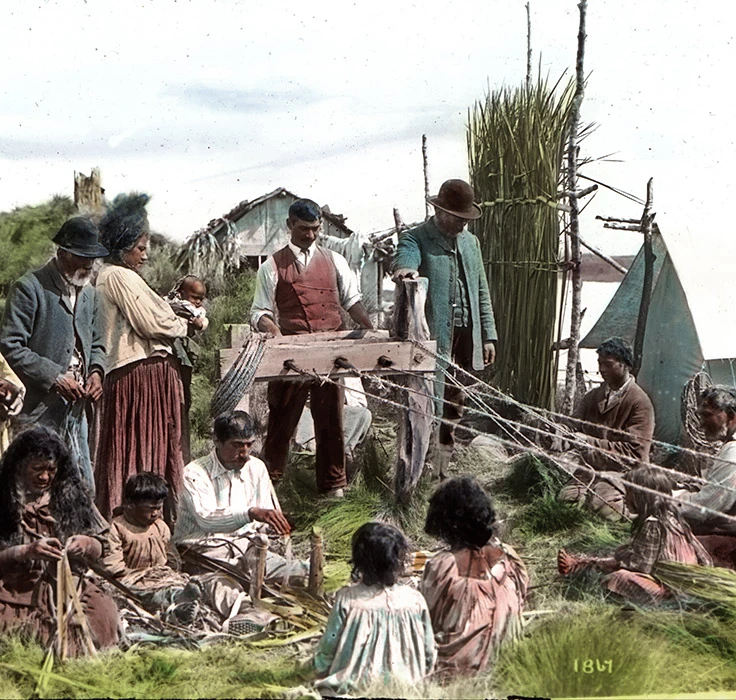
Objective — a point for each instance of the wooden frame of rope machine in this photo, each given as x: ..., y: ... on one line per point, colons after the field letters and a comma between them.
x: 340, y: 353
x: 332, y: 354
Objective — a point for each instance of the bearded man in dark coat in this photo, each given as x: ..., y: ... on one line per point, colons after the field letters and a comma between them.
x: 50, y: 338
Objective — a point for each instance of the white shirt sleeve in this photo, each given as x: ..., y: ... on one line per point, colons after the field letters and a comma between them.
x: 264, y: 299
x: 347, y: 283
x: 719, y: 491
x: 265, y: 494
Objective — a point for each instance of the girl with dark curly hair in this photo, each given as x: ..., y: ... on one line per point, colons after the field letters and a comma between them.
x: 475, y: 589
x: 379, y: 630
x: 45, y: 509
x: 142, y: 415
x: 659, y: 534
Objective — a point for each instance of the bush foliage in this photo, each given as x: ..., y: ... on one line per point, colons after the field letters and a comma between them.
x: 25, y: 237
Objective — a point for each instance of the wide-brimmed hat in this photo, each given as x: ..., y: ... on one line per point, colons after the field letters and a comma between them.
x: 81, y: 237
x: 456, y: 197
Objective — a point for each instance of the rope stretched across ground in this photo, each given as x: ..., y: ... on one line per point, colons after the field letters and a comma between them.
x: 567, y: 465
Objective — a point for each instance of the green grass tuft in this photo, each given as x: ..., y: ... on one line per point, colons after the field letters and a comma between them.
x: 546, y: 515
x: 344, y: 517
x: 337, y: 574
x: 218, y: 671
x: 644, y: 660
x: 530, y: 476
x: 600, y: 537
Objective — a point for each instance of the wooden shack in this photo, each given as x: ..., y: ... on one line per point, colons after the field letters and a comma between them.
x: 260, y: 227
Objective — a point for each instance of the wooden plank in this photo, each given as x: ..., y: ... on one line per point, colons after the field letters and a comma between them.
x: 238, y: 333
x: 316, y: 564
x: 415, y: 424
x: 309, y: 353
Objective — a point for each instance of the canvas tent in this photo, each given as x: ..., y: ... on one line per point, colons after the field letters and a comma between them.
x: 688, y: 326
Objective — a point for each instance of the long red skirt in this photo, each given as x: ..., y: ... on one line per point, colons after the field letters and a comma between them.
x: 140, y: 430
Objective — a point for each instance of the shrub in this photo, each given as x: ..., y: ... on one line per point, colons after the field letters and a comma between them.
x: 25, y: 237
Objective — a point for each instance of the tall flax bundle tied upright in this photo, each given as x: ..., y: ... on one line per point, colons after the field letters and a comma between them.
x: 516, y: 146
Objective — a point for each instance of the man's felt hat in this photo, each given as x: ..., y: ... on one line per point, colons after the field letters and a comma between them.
x: 456, y: 197
x: 81, y: 237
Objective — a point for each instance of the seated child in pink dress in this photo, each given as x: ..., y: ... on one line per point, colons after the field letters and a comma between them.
x: 379, y: 630
x: 476, y: 587
x: 659, y: 534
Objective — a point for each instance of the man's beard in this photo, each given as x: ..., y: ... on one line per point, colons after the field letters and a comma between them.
x: 81, y: 277
x: 720, y: 435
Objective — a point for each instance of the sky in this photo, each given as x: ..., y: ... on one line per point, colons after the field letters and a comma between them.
x: 204, y: 104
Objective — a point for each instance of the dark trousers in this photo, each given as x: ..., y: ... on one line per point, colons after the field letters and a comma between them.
x: 286, y: 401
x: 453, y: 406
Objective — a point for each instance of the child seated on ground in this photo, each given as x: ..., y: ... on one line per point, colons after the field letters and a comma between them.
x: 475, y: 589
x: 379, y: 630
x: 140, y: 550
x: 141, y: 558
x: 659, y: 534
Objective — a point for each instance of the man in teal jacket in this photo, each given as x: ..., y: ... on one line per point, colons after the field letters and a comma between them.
x: 459, y: 311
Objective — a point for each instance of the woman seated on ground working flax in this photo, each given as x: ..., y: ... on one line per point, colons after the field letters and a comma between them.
x: 659, y: 534
x: 45, y: 511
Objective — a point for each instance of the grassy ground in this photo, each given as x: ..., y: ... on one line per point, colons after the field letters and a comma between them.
x: 577, y: 642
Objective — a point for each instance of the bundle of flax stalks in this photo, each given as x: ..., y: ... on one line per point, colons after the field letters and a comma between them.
x: 711, y: 584
x: 516, y: 145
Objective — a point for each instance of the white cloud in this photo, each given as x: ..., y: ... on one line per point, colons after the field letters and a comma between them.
x: 205, y: 103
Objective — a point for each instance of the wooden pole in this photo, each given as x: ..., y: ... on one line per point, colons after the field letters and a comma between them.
x: 575, y: 253
x: 316, y: 564
x: 603, y: 256
x: 399, y: 224
x: 66, y: 594
x: 528, y: 47
x: 426, y: 177
x: 80, y: 617
x: 415, y: 425
x: 61, y: 597
x: 646, y: 290
x: 380, y: 272
x: 259, y: 575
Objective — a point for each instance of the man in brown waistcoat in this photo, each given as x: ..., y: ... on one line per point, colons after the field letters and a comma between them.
x: 301, y: 289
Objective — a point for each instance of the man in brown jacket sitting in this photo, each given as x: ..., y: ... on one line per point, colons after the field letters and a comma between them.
x: 615, y: 424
